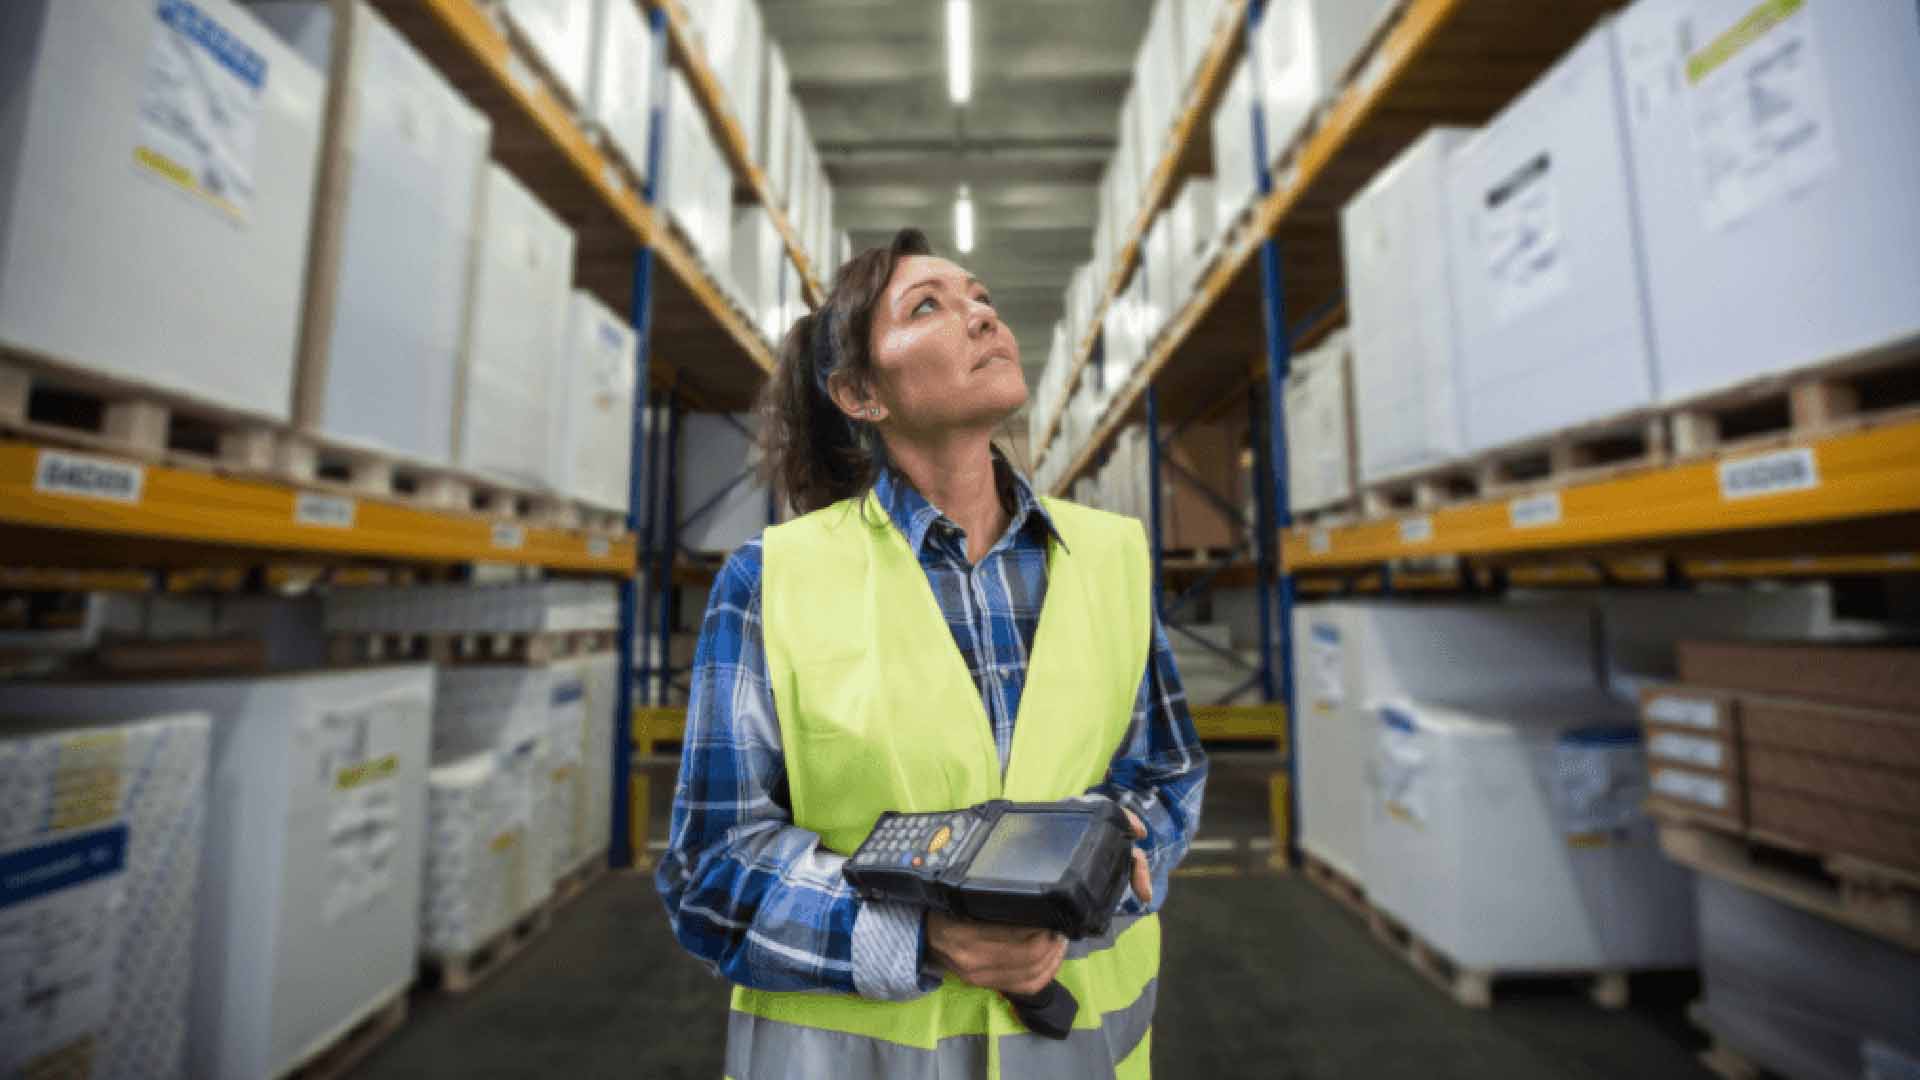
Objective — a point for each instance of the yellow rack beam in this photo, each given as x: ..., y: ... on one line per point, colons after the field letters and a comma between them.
x: 156, y: 502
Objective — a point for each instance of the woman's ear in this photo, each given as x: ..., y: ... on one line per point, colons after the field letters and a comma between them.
x: 857, y: 402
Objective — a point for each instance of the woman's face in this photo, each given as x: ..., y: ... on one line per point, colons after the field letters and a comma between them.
x: 942, y: 359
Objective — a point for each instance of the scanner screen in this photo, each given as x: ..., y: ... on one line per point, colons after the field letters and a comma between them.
x: 1030, y: 847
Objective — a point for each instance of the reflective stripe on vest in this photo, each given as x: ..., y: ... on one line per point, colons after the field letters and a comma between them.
x: 878, y: 711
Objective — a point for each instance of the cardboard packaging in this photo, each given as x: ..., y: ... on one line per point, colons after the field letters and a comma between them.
x: 593, y: 442
x: 516, y: 336
x: 308, y: 912
x: 1406, y: 353
x: 160, y: 162
x: 1303, y: 49
x: 721, y: 500
x: 123, y: 806
x: 1869, y: 676
x: 620, y: 81
x: 1236, y: 177
x: 1838, y: 779
x: 776, y: 123
x: 560, y: 35
x: 1319, y: 400
x: 1196, y: 520
x: 1693, y: 750
x: 486, y: 863
x: 698, y: 185
x: 758, y: 252
x: 1509, y: 834
x: 1826, y: 172
x: 1800, y: 995
x: 736, y: 44
x: 400, y: 175
x: 1552, y: 313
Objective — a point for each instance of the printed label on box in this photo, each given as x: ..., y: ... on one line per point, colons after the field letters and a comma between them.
x: 362, y: 797
x: 199, y: 120
x: 1323, y: 662
x: 55, y: 473
x: 1757, y: 106
x: 1684, y: 712
x: 60, y: 928
x: 1777, y: 473
x: 1520, y: 239
x: 1691, y: 787
x: 1687, y: 749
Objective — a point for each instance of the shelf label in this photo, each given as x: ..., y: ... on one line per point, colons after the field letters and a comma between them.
x: 85, y: 477
x: 1535, y: 511
x: 509, y: 537
x: 1416, y: 530
x: 1319, y: 541
x: 1769, y: 474
x: 599, y: 547
x: 325, y: 511
x: 1684, y: 712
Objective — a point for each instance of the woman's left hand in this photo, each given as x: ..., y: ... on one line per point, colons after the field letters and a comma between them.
x: 1142, y: 876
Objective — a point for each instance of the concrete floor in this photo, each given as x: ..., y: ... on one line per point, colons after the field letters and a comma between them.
x: 1263, y: 976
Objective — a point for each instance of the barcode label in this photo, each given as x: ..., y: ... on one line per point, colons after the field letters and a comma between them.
x: 1691, y: 787
x: 1686, y: 749
x: 1535, y: 511
x: 1769, y: 474
x: 84, y: 477
x: 1416, y: 530
x: 508, y: 537
x: 1319, y: 541
x: 1684, y: 712
x: 325, y: 511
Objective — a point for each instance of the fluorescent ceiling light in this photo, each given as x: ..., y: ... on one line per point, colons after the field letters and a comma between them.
x: 963, y: 221
x: 960, y: 51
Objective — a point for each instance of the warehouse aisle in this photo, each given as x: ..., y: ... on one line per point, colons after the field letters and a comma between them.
x: 1264, y: 977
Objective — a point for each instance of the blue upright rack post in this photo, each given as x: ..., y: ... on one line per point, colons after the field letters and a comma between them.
x: 639, y: 478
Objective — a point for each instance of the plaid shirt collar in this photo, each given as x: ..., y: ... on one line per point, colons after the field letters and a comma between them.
x: 915, y: 517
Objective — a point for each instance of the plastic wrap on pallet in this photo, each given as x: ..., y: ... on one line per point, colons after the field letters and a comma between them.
x: 516, y: 335
x: 565, y: 776
x: 120, y: 190
x: 1199, y: 23
x: 124, y: 807
x: 620, y: 82
x: 1235, y: 182
x: 1302, y: 49
x: 1400, y: 301
x: 1494, y: 836
x: 1319, y: 402
x: 485, y: 707
x: 593, y: 441
x: 1799, y: 995
x: 485, y: 864
x: 598, y: 678
x: 560, y: 33
x: 776, y: 124
x: 379, y: 372
x: 1545, y: 262
x: 310, y: 881
x: 1783, y: 236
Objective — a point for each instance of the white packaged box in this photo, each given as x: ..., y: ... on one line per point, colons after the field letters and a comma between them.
x: 1121, y: 347
x: 560, y: 33
x: 486, y: 857
x: 776, y: 123
x: 1776, y: 162
x: 598, y: 678
x: 1509, y: 835
x: 739, y: 60
x: 516, y: 335
x: 1163, y: 295
x: 620, y: 80
x: 1320, y: 427
x: 1406, y: 354
x: 159, y: 163
x: 310, y: 887
x: 721, y: 500
x: 1199, y: 23
x: 1157, y: 76
x: 1129, y: 176
x: 1302, y: 49
x: 387, y: 276
x: 1641, y: 628
x: 1800, y: 995
x: 565, y: 820
x: 1193, y: 212
x: 1346, y: 656
x: 101, y: 830
x: 1235, y: 179
x: 758, y: 251
x: 483, y: 708
x: 593, y: 444
x: 1546, y: 269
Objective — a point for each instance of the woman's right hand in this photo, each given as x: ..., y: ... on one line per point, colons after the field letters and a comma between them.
x: 1009, y: 959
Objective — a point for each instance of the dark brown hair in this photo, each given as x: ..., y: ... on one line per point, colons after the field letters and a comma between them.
x: 811, y: 451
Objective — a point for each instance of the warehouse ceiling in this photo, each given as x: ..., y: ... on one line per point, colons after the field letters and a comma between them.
x: 1048, y: 80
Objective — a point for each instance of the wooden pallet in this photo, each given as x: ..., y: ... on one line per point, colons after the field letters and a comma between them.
x: 1472, y: 988
x: 1720, y: 1058
x: 579, y: 879
x: 1329, y: 879
x: 1833, y: 397
x: 1419, y: 491
x: 1879, y: 900
x: 506, y: 648
x: 461, y: 972
x: 339, y: 1056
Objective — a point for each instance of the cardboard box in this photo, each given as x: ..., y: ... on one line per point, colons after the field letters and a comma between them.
x: 119, y: 193
x: 560, y: 33
x: 1209, y: 452
x: 1886, y: 739
x: 1552, y: 312
x: 593, y: 441
x: 1157, y: 77
x: 738, y: 55
x: 516, y: 336
x: 1162, y: 295
x: 1894, y: 792
x: 1305, y: 48
x: 1694, y: 753
x: 393, y: 231
x: 1192, y: 213
x: 1826, y: 171
x: 123, y: 808
x: 1868, y: 676
x: 1406, y: 352
x: 1319, y: 399
x: 758, y: 251
x: 1235, y: 172
x: 1836, y: 828
x: 776, y: 123
x: 620, y: 82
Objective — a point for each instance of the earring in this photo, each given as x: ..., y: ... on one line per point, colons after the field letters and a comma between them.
x: 873, y: 413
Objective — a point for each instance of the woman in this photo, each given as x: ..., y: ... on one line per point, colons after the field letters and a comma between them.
x: 928, y: 635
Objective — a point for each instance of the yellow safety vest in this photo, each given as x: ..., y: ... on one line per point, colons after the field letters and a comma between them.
x: 878, y: 712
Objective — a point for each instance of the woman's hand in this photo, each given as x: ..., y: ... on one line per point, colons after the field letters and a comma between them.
x: 1010, y: 959
x: 1142, y: 875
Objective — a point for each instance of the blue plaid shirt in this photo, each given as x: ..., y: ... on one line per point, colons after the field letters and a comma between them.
x: 757, y: 897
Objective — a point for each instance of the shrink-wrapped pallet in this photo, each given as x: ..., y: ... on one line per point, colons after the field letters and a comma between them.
x: 1302, y: 51
x: 482, y: 868
x: 620, y: 81
x: 1235, y: 171
x: 593, y: 439
x: 1319, y: 399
